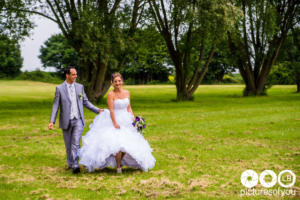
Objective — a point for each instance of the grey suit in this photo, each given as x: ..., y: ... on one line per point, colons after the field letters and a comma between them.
x: 72, y: 128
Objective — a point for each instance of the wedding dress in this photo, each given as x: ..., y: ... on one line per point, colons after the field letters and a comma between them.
x: 103, y: 141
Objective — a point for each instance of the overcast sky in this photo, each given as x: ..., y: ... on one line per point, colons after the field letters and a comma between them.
x: 30, y: 47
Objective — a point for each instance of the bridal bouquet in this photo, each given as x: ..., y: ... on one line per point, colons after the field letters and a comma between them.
x: 139, y: 123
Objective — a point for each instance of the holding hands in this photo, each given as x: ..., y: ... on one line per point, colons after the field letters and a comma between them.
x: 100, y: 110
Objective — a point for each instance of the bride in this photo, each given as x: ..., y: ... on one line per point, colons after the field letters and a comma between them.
x: 112, y: 140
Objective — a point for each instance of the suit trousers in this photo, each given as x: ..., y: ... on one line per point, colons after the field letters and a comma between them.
x: 72, y: 137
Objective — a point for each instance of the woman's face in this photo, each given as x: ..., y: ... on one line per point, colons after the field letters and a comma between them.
x: 117, y: 82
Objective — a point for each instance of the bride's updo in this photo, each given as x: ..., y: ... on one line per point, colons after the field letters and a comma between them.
x: 114, y: 75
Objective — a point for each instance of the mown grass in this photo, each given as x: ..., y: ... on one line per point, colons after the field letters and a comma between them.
x: 201, y: 147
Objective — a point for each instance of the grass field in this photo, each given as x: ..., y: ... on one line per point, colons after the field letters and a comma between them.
x: 201, y: 147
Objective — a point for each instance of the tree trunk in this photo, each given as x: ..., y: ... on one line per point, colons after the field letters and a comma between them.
x: 298, y: 81
x: 181, y: 91
x: 98, y: 95
x: 95, y: 80
x: 180, y: 83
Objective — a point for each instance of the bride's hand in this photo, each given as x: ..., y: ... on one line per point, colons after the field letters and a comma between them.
x: 116, y: 126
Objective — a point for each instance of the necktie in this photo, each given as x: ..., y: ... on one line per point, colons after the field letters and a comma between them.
x: 73, y: 102
x: 72, y: 91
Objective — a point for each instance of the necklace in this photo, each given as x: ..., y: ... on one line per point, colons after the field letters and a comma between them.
x: 118, y: 94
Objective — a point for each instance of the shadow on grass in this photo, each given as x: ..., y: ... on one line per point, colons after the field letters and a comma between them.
x: 112, y: 171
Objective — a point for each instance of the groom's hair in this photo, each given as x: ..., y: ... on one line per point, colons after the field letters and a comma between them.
x: 67, y: 70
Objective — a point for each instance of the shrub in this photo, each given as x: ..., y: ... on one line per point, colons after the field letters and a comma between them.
x: 38, y: 75
x: 282, y: 74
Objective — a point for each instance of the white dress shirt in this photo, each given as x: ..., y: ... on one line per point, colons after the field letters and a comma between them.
x: 72, y: 95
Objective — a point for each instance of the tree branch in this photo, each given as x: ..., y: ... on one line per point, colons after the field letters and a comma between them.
x: 204, y: 69
x: 165, y: 15
x: 115, y: 7
x: 62, y: 15
x: 155, y: 17
x: 197, y: 69
x: 57, y: 19
x: 36, y: 13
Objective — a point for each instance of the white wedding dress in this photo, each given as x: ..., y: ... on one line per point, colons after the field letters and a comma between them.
x: 103, y: 141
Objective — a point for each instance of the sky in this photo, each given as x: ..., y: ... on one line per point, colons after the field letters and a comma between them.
x: 30, y: 47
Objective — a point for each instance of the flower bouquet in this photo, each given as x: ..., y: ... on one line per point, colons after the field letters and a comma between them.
x: 139, y: 123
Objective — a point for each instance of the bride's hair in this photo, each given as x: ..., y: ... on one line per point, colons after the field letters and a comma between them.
x: 114, y: 75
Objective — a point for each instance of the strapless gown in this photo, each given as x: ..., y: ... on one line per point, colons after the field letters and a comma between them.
x: 103, y: 141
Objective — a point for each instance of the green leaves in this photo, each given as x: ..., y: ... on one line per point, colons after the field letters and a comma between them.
x: 147, y: 58
x: 13, y: 22
x: 56, y: 52
x: 10, y: 57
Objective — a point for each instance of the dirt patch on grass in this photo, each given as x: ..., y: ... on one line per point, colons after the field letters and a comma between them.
x: 8, y: 127
x: 14, y: 177
x: 154, y: 187
x: 200, y: 183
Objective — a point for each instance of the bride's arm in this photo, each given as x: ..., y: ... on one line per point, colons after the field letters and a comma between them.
x: 110, y: 103
x: 129, y: 107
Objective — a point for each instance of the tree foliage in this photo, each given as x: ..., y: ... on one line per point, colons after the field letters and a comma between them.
x: 191, y: 30
x: 13, y: 21
x: 99, y: 31
x: 287, y: 69
x: 256, y: 41
x: 148, y: 58
x: 10, y: 57
x: 56, y: 52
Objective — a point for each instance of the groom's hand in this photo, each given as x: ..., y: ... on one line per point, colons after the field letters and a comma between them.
x: 100, y: 110
x: 50, y: 126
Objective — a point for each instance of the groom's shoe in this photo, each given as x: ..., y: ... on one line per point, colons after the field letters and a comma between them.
x: 76, y: 170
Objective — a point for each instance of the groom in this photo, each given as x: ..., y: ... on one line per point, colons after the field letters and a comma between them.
x: 71, y: 98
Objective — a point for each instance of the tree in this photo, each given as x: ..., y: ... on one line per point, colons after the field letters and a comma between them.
x: 296, y: 60
x: 148, y: 59
x: 10, y: 56
x: 56, y: 52
x: 258, y: 36
x: 99, y: 31
x: 289, y: 57
x: 14, y: 23
x: 220, y: 64
x: 191, y: 30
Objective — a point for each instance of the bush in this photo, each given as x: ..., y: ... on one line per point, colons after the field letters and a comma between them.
x: 229, y: 79
x: 232, y: 78
x: 282, y: 74
x: 48, y: 77
x: 129, y: 81
x: 171, y: 79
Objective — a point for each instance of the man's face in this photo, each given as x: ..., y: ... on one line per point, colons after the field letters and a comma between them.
x: 72, y: 76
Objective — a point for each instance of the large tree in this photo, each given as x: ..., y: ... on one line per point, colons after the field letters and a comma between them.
x: 258, y: 36
x: 99, y: 30
x: 191, y: 30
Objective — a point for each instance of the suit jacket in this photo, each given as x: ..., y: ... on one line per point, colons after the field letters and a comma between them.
x: 62, y: 101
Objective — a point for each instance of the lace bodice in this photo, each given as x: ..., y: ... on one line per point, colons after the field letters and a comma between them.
x: 121, y: 104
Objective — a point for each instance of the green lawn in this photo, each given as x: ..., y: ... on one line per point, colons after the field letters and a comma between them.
x: 201, y: 147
